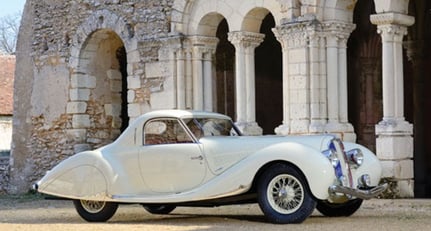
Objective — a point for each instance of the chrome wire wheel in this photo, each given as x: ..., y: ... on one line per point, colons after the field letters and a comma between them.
x: 93, y: 206
x: 285, y: 194
x: 95, y: 211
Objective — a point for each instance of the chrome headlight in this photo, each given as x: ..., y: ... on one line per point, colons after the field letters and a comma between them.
x: 355, y: 157
x: 332, y: 157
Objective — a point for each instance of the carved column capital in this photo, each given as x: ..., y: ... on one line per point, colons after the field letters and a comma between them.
x: 205, y: 44
x: 392, y: 26
x: 245, y: 39
x: 337, y: 32
x: 297, y: 34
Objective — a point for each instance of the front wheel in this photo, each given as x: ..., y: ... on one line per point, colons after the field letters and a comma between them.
x: 339, y: 210
x: 95, y: 211
x: 283, y: 195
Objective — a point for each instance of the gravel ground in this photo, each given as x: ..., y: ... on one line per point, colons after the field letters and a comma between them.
x: 28, y: 212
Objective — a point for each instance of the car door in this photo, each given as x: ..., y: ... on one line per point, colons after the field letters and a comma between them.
x: 170, y: 161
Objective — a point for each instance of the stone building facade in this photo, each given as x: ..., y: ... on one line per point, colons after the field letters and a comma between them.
x: 275, y: 66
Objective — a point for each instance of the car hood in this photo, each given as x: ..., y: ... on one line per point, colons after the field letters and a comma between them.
x: 223, y: 152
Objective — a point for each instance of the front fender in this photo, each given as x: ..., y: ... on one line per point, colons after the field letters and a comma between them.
x: 316, y: 168
x: 371, y: 164
x: 82, y: 176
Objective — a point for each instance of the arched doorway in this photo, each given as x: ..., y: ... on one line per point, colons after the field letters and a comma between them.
x: 268, y: 70
x: 225, y: 72
x: 364, y: 75
x: 101, y: 89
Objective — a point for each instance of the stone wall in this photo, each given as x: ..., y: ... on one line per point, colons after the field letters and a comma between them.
x: 51, y: 31
x: 4, y: 173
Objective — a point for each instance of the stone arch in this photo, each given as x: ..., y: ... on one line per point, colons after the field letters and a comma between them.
x: 187, y: 14
x: 341, y: 10
x: 98, y: 92
x: 103, y: 19
x: 253, y: 19
x: 208, y: 25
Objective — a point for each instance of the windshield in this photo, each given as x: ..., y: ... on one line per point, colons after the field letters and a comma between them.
x: 212, y: 127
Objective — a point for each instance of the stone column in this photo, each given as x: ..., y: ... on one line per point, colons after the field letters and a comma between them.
x: 394, y: 144
x: 284, y: 129
x: 208, y: 82
x: 197, y: 79
x: 336, y: 34
x: 245, y: 44
x: 189, y: 80
x: 181, y: 80
x: 203, y: 51
x: 302, y: 75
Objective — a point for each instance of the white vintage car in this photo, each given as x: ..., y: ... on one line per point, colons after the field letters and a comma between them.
x: 176, y: 158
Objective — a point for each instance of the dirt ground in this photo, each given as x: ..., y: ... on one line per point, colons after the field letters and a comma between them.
x: 28, y: 212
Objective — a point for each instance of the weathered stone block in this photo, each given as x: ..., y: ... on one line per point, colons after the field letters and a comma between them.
x: 116, y: 122
x: 83, y: 81
x: 406, y: 188
x: 115, y: 85
x: 76, y: 107
x: 77, y: 135
x: 81, y: 147
x: 397, y: 169
x: 81, y: 121
x: 133, y: 56
x: 113, y: 109
x: 133, y: 82
x: 131, y: 96
x: 79, y: 94
x: 394, y: 147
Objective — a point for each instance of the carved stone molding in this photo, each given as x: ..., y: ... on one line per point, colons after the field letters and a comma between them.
x: 392, y: 18
x: 339, y: 30
x: 297, y: 34
x: 204, y: 44
x: 245, y: 39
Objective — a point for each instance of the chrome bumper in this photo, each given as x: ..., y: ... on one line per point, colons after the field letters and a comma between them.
x: 359, y: 193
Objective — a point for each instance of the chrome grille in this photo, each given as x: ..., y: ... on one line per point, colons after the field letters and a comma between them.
x: 342, y: 171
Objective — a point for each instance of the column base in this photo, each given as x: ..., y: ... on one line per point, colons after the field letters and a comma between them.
x: 394, y: 148
x: 398, y: 188
x: 394, y: 126
x: 282, y: 130
x: 249, y: 128
x: 343, y: 131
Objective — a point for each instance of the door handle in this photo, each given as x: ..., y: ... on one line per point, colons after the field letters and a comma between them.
x: 197, y: 158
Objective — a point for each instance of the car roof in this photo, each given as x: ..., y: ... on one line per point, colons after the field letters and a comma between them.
x: 184, y: 114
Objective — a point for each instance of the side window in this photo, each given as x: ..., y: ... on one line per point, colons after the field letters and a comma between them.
x: 165, y: 131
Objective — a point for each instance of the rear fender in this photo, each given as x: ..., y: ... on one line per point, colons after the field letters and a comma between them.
x: 82, y: 176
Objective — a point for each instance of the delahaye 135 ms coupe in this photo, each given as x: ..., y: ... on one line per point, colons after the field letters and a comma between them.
x: 171, y: 158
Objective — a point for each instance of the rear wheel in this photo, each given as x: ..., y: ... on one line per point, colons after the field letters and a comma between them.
x: 159, y: 209
x: 283, y: 195
x: 95, y: 211
x: 339, y: 210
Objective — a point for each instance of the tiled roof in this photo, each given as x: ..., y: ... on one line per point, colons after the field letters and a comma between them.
x: 7, y: 73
